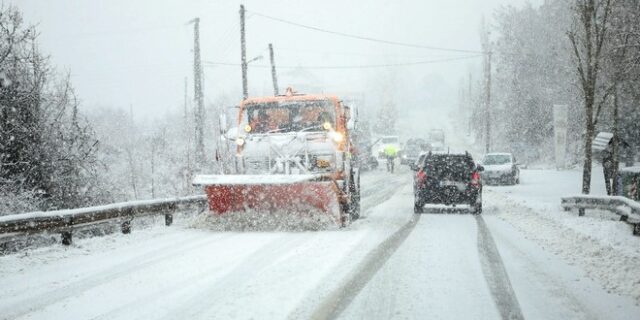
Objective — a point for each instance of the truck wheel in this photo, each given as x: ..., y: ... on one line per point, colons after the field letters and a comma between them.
x: 354, y: 190
x: 345, y: 215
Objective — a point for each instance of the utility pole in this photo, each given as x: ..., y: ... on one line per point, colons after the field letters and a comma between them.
x: 273, y: 71
x: 470, y: 106
x: 187, y: 134
x: 199, y: 96
x: 485, y: 41
x: 186, y: 112
x: 243, y: 55
x: 615, y: 142
x: 487, y: 128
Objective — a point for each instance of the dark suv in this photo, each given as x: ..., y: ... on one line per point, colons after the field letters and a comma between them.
x: 447, y: 178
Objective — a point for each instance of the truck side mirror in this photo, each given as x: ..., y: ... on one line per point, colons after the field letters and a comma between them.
x: 347, y: 113
x: 222, y: 120
x: 350, y: 125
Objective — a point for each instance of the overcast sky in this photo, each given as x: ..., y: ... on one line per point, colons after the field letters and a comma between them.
x: 123, y: 52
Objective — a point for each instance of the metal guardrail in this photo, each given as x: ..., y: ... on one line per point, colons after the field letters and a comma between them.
x: 627, y: 209
x: 65, y: 221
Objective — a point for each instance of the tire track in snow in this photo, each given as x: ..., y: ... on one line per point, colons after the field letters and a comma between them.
x: 379, y: 190
x: 496, y: 274
x: 340, y: 298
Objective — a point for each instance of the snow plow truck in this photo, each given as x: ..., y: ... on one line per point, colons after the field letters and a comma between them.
x: 293, y: 153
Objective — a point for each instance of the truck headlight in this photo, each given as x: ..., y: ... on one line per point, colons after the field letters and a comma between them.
x: 336, y: 136
x: 240, y: 141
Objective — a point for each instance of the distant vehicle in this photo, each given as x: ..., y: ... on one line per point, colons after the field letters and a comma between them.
x: 412, y: 149
x: 368, y: 162
x: 436, y: 135
x: 383, y: 142
x: 447, y: 178
x: 500, y: 168
x: 363, y: 145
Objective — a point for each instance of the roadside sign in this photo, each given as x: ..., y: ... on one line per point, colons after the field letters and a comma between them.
x: 560, y: 123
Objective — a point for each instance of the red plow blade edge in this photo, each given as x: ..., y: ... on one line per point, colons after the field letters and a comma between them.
x: 298, y: 195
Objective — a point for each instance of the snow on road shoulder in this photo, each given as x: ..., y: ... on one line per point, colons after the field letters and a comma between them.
x: 604, y: 248
x: 549, y: 288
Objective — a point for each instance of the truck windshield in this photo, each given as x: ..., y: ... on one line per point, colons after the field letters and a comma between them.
x: 288, y: 116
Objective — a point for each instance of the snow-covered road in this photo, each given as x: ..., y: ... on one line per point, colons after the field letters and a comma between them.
x: 391, y: 264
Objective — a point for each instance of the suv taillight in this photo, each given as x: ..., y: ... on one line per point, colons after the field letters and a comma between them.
x: 421, y: 178
x: 475, y: 178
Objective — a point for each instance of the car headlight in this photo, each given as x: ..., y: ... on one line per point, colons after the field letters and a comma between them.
x: 240, y: 141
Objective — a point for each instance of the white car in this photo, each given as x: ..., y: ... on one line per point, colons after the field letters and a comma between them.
x: 500, y: 168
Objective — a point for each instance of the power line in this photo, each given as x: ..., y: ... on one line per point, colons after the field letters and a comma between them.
x: 395, y: 43
x: 404, y: 64
x: 360, y: 54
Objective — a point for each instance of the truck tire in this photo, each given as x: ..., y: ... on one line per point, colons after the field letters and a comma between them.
x: 354, y: 189
x: 345, y: 215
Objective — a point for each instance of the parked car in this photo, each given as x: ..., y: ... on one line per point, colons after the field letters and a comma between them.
x: 500, y: 168
x: 412, y: 149
x: 447, y: 178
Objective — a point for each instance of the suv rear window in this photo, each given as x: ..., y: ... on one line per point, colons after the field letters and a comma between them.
x: 458, y: 167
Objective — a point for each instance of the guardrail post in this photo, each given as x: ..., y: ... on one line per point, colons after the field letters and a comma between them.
x: 580, y: 212
x: 168, y: 219
x: 66, y: 237
x: 126, y: 227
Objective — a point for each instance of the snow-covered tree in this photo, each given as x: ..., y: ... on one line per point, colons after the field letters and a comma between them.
x: 47, y: 150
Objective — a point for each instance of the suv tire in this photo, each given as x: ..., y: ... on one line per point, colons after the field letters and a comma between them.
x: 476, y: 208
x: 418, y: 207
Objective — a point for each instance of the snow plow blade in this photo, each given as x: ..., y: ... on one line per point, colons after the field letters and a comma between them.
x: 290, y: 193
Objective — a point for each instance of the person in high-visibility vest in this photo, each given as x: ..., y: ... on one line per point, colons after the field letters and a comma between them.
x: 390, y: 152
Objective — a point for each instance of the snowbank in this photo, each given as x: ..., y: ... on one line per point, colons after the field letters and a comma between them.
x: 598, y: 242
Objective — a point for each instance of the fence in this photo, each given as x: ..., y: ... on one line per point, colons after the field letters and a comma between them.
x: 627, y: 209
x: 65, y: 221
